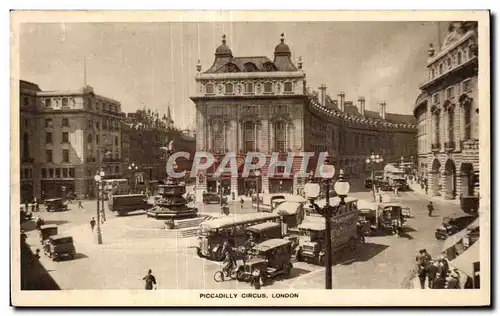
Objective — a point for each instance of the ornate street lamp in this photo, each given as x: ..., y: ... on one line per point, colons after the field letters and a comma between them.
x: 257, y: 174
x: 374, y: 160
x: 132, y: 168
x: 98, y: 179
x: 312, y: 191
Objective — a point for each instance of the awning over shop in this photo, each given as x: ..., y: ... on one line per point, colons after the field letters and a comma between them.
x: 465, y: 261
x: 456, y: 238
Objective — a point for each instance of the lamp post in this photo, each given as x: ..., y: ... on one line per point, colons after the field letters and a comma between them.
x: 257, y: 186
x: 132, y: 168
x: 374, y: 160
x: 98, y: 179
x: 312, y: 191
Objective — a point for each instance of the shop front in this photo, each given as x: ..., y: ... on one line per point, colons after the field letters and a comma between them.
x: 57, y: 188
x: 280, y: 185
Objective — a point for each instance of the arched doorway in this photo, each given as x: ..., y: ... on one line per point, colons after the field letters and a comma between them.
x: 435, y: 177
x: 467, y: 179
x: 450, y: 180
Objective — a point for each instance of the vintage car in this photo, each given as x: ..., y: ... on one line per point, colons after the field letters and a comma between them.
x: 58, y: 247
x: 390, y: 218
x: 25, y: 215
x: 56, y: 205
x: 211, y: 198
x: 124, y: 204
x: 401, y: 184
x: 46, y: 231
x: 385, y: 186
x: 268, y: 259
x: 452, y: 225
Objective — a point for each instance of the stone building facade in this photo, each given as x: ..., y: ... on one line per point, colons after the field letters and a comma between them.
x: 255, y: 104
x: 447, y: 112
x: 66, y: 136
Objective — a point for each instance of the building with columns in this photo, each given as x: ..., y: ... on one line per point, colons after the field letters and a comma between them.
x: 247, y: 104
x: 65, y: 137
x: 447, y: 111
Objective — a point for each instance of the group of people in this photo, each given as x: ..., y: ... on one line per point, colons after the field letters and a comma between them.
x: 437, y: 273
x: 35, y: 206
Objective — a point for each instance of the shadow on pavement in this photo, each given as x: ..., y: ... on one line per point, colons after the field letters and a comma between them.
x: 80, y: 256
x: 363, y: 252
x: 296, y: 272
x: 34, y: 276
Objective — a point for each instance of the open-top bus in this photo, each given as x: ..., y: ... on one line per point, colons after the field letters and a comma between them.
x: 232, y: 228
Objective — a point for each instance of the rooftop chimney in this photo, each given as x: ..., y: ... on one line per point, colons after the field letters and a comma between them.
x: 341, y: 103
x: 322, y: 94
x: 361, y: 105
x: 382, y: 110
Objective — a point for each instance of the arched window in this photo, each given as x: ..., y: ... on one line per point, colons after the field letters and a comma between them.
x: 451, y: 124
x: 65, y: 102
x: 249, y: 136
x: 459, y: 58
x: 26, y: 101
x: 441, y: 68
x: 89, y: 138
x: 48, y: 103
x: 437, y: 119
x: 218, y: 137
x: 467, y: 120
x: 288, y: 87
x: 280, y: 136
x: 249, y: 88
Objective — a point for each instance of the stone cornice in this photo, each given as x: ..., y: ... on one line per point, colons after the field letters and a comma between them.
x: 251, y: 75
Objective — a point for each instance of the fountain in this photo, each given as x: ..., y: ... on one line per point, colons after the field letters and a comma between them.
x: 171, y: 205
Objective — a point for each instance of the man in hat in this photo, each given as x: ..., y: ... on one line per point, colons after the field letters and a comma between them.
x: 432, y: 270
x: 150, y: 280
x: 453, y: 281
x: 430, y: 208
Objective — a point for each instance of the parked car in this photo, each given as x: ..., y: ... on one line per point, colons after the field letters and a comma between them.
x: 211, y: 198
x: 59, y: 247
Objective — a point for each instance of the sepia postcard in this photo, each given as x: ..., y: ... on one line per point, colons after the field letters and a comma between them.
x: 250, y: 158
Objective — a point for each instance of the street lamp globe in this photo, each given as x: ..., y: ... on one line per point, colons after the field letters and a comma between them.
x: 312, y: 190
x: 377, y: 157
x: 367, y: 160
x: 129, y: 168
x: 102, y: 173
x: 97, y: 178
x: 342, y: 187
x: 257, y: 173
x: 372, y: 156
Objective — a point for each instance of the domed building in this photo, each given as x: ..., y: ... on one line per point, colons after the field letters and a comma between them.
x: 255, y: 104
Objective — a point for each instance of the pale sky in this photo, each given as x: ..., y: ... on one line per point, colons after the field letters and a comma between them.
x: 153, y: 64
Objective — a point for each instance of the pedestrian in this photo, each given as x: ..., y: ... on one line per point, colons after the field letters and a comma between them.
x: 80, y: 203
x: 26, y: 206
x: 33, y: 207
x: 439, y: 283
x: 92, y: 224
x: 421, y: 275
x: 241, y: 202
x: 453, y: 281
x: 443, y: 267
x: 24, y: 236
x: 430, y: 208
x: 37, y: 206
x: 360, y: 231
x: 432, y: 270
x: 150, y: 281
x: 380, y: 198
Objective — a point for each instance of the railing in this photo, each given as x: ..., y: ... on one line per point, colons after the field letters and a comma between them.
x: 436, y: 147
x: 449, y: 145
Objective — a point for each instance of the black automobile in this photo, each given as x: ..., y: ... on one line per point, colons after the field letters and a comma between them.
x: 368, y: 183
x: 211, y: 198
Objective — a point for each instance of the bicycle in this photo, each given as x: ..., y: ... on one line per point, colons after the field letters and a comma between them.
x: 219, y: 276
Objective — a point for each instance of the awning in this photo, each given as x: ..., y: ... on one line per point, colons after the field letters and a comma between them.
x: 475, y: 224
x: 454, y: 239
x: 464, y: 262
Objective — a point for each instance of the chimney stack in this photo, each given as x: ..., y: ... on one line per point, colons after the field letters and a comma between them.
x: 361, y: 105
x: 322, y: 89
x: 341, y: 103
x: 382, y: 110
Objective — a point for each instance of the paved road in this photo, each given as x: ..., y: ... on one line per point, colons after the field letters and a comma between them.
x: 383, y: 262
